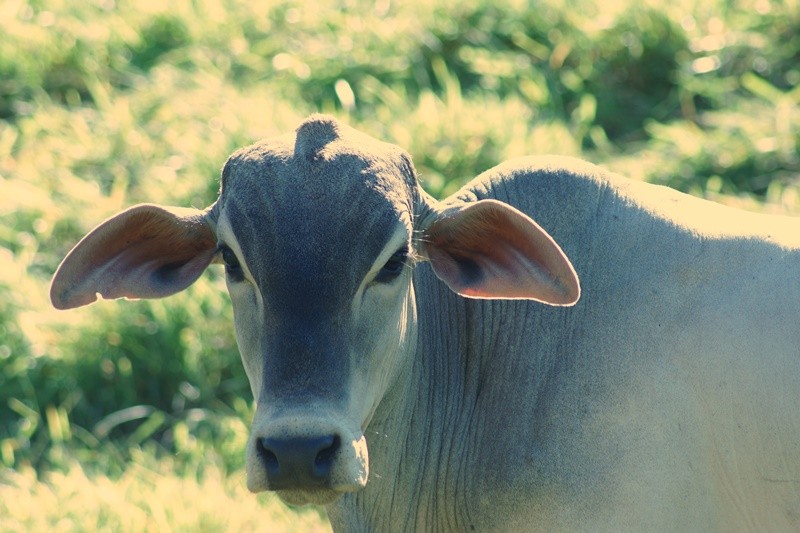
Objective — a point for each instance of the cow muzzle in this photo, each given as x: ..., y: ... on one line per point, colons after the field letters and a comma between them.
x: 306, y: 460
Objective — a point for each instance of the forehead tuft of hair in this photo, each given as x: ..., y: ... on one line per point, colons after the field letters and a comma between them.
x: 316, y: 132
x: 320, y: 152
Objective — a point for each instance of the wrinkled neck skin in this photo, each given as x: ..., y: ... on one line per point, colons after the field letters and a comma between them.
x: 432, y: 423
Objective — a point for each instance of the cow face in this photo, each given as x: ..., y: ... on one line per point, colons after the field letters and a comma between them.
x: 317, y: 238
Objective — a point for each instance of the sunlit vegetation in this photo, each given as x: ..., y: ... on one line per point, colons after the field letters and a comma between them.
x: 138, y: 412
x: 144, y: 498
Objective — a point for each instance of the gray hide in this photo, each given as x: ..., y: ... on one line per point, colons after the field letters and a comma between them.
x: 443, y: 397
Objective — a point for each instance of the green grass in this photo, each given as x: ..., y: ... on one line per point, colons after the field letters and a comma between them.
x: 108, y: 103
x: 144, y: 498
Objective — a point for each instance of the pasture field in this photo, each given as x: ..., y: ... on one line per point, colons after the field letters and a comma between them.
x: 143, y: 499
x: 133, y: 416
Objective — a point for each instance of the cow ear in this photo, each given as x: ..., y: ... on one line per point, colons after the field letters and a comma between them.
x: 488, y: 249
x: 147, y: 251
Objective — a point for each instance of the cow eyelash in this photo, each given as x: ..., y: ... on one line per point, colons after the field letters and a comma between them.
x: 233, y: 268
x: 394, y: 265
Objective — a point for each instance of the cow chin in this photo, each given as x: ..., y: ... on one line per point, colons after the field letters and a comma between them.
x: 321, y: 496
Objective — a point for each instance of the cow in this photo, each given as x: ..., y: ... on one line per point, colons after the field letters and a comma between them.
x: 437, y: 365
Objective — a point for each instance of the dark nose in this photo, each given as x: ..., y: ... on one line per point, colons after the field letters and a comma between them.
x: 298, y: 462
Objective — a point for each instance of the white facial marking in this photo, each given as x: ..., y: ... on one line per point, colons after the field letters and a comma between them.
x: 248, y: 309
x: 398, y: 239
x: 381, y: 314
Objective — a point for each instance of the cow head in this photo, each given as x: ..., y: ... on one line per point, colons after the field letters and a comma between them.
x: 319, y: 233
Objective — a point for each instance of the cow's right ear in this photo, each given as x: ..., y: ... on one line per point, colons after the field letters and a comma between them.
x: 488, y: 249
x: 147, y: 251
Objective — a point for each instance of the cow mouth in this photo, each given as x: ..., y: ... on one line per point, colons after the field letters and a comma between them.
x: 311, y: 496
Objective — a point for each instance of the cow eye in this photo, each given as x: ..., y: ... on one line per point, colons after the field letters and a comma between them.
x: 393, y: 267
x: 232, y: 266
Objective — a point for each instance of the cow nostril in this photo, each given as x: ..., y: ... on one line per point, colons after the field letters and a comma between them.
x: 268, y: 457
x: 324, y: 459
x: 298, y: 461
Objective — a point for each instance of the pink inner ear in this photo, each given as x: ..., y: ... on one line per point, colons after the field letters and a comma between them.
x: 147, y: 251
x: 491, y: 250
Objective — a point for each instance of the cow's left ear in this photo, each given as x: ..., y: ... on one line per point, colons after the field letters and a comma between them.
x: 147, y: 251
x: 488, y: 249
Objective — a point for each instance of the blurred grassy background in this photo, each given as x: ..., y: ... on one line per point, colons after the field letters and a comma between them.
x: 141, y: 408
